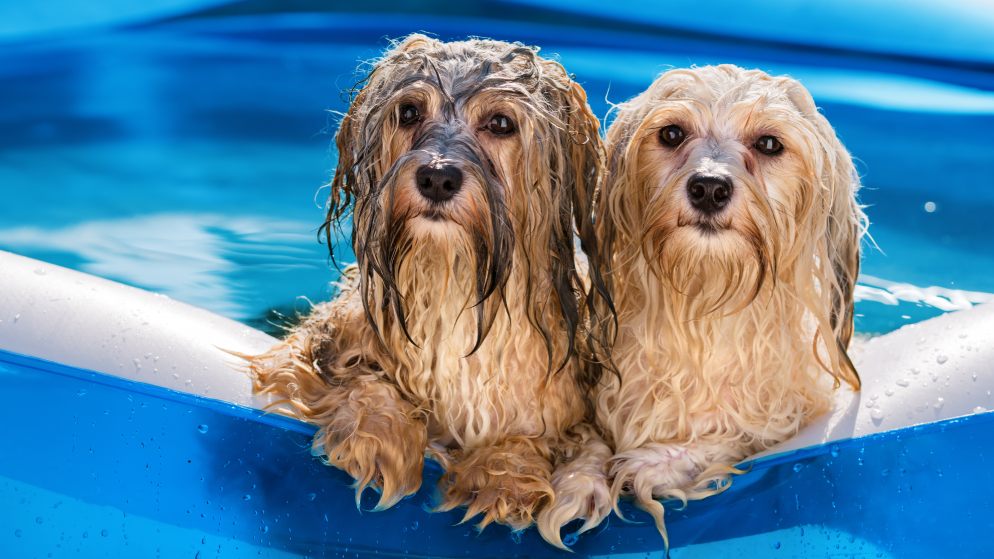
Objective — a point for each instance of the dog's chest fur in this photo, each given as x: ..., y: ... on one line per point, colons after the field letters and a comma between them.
x: 471, y: 399
x: 749, y: 376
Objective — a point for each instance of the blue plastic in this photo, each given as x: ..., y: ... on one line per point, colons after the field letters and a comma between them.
x: 95, y: 466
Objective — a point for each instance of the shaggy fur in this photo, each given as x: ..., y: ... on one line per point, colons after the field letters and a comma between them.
x: 732, y: 326
x: 459, y: 329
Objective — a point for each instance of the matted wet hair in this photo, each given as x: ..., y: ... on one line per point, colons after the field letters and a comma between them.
x: 561, y: 176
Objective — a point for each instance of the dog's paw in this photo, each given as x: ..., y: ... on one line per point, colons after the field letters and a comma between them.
x: 578, y: 495
x: 383, y: 450
x: 507, y: 484
x: 653, y: 471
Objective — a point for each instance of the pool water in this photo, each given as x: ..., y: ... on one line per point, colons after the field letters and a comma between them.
x: 187, y: 157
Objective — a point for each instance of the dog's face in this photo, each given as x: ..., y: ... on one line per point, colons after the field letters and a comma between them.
x: 478, y: 149
x: 725, y: 180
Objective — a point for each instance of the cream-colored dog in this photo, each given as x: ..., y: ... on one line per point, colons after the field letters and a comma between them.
x: 731, y: 230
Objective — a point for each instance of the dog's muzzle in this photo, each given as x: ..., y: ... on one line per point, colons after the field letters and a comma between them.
x: 709, y: 194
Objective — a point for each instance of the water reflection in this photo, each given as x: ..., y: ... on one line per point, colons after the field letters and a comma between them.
x: 209, y: 260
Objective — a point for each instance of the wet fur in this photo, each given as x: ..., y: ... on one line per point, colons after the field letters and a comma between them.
x: 460, y: 337
x: 729, y: 340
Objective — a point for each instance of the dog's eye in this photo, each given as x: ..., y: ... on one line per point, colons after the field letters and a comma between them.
x: 409, y: 115
x: 500, y: 125
x: 672, y: 135
x: 769, y: 145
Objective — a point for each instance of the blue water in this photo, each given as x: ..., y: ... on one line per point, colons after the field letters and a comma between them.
x: 187, y: 156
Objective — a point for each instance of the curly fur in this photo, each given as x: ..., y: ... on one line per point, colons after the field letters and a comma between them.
x: 732, y: 329
x: 459, y: 331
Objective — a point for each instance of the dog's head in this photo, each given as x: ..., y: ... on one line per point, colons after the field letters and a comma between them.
x: 479, y: 150
x: 726, y: 180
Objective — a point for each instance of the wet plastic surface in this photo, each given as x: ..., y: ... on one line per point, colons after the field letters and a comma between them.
x: 97, y: 466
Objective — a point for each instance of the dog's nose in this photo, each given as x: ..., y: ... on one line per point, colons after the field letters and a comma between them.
x: 438, y: 183
x: 709, y: 193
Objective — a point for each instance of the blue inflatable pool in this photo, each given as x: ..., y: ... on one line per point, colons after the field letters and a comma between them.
x: 130, y: 433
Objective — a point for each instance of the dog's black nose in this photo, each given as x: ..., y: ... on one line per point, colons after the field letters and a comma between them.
x: 438, y: 183
x: 709, y: 193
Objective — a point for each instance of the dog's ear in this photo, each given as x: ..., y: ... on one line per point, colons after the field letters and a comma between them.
x: 577, y: 168
x: 589, y: 168
x: 586, y: 159
x: 345, y: 182
x: 844, y: 225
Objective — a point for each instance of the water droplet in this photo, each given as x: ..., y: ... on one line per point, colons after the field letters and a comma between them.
x: 974, y: 376
x: 39, y: 520
x: 889, y: 392
x: 104, y: 532
x: 516, y: 537
x: 776, y: 545
x: 18, y: 533
x: 939, y: 402
x: 915, y: 371
x: 81, y: 392
x: 930, y: 206
x: 571, y: 539
x: 877, y: 415
x: 415, y: 525
x: 246, y: 497
x: 941, y: 359
x: 17, y: 317
x: 904, y: 383
x: 202, y: 428
x: 798, y: 467
x: 979, y: 409
x: 265, y: 529
x: 834, y: 450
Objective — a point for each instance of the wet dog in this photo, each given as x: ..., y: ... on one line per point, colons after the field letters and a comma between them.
x: 468, y: 168
x: 731, y: 233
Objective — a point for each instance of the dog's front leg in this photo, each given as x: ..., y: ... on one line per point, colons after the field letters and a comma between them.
x: 507, y: 482
x: 365, y: 426
x: 376, y: 436
x: 580, y: 485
